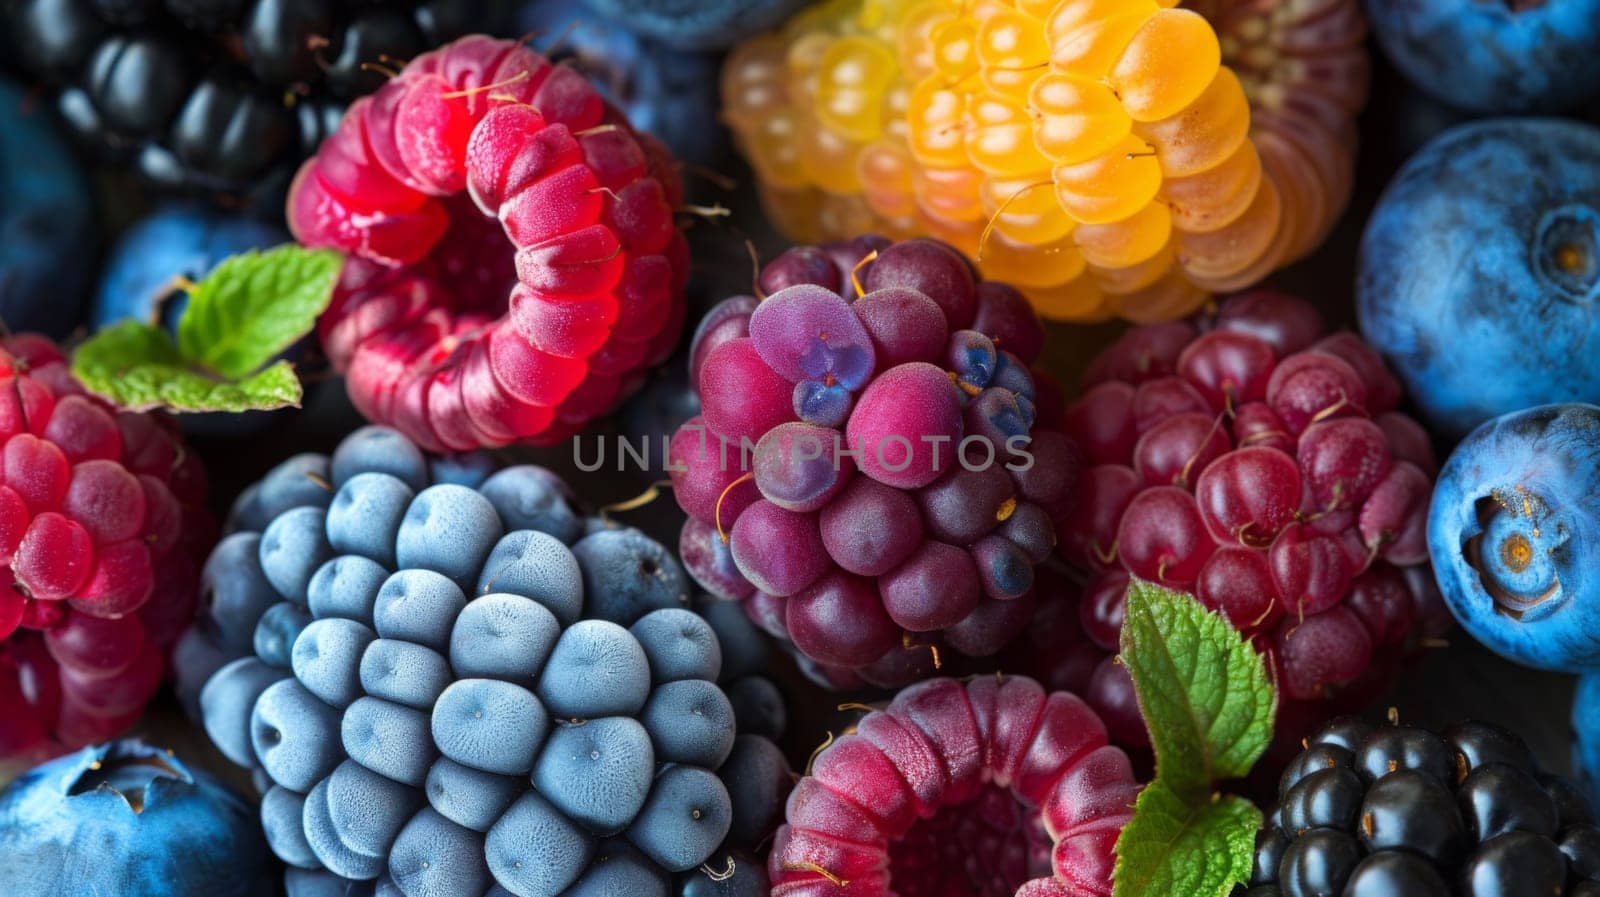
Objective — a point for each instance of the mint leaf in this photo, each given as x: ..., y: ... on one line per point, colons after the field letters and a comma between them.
x: 254, y: 305
x: 1176, y: 846
x: 1203, y: 690
x: 1209, y: 705
x: 136, y: 366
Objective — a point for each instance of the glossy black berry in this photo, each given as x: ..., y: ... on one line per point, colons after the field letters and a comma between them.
x: 1395, y: 811
x: 223, y: 98
x: 1391, y: 748
x: 1581, y: 846
x: 1497, y: 798
x: 1328, y: 798
x: 1408, y: 810
x: 1318, y: 863
x: 1315, y: 758
x: 1516, y: 864
x: 1395, y: 874
x: 1572, y: 807
x: 1480, y: 743
x: 1347, y: 732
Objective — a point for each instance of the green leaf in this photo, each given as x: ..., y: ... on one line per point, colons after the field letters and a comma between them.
x: 254, y: 305
x: 136, y: 366
x: 1203, y: 690
x: 1176, y: 847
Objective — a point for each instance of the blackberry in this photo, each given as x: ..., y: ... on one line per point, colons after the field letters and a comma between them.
x: 449, y: 682
x: 1397, y: 811
x: 222, y: 97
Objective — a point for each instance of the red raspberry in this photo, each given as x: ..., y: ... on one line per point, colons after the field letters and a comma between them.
x: 1250, y: 460
x: 872, y: 468
x: 514, y: 266
x: 988, y: 788
x: 102, y: 520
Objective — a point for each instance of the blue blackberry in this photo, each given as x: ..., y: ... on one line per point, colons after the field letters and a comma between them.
x: 452, y: 686
x: 222, y: 97
x: 1396, y: 811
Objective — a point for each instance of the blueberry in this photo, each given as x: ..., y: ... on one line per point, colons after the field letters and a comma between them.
x: 367, y: 810
x: 502, y: 637
x: 326, y: 844
x: 434, y: 857
x: 129, y: 818
x: 535, y: 849
x: 1477, y: 290
x: 529, y: 497
x: 235, y: 591
x: 365, y: 516
x: 470, y: 797
x: 490, y: 725
x: 404, y: 672
x: 627, y: 574
x: 1495, y: 58
x: 276, y: 632
x: 686, y: 816
x: 378, y: 449
x: 597, y: 669
x: 449, y: 529
x: 387, y: 738
x: 538, y: 566
x: 282, y: 821
x: 227, y: 702
x: 347, y: 587
x: 758, y: 707
x: 467, y: 469
x: 418, y: 606
x: 679, y: 645
x: 294, y: 735
x: 48, y: 219
x: 758, y: 780
x: 292, y: 548
x: 327, y: 659
x: 618, y: 868
x: 1512, y: 530
x: 690, y: 721
x: 598, y: 772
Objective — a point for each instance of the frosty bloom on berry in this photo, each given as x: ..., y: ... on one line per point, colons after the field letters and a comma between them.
x: 1511, y: 530
x: 991, y: 787
x: 457, y: 685
x: 1248, y: 459
x: 102, y: 524
x: 514, y: 265
x: 870, y: 468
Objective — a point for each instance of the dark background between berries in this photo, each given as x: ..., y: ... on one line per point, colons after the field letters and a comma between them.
x: 1449, y: 683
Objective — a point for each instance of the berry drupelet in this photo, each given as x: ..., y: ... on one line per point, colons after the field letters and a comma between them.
x: 102, y: 528
x: 223, y: 97
x: 1248, y: 458
x: 1394, y: 811
x: 871, y: 472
